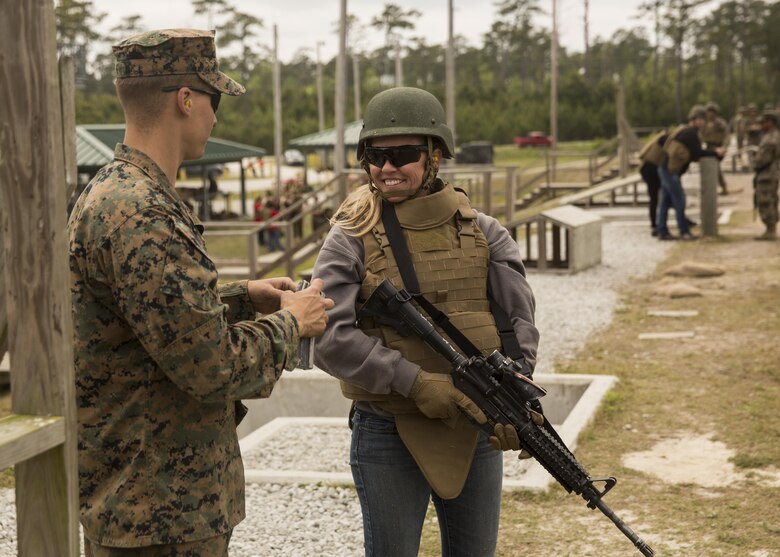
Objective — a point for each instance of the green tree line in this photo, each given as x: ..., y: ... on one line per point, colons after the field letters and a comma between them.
x: 696, y: 51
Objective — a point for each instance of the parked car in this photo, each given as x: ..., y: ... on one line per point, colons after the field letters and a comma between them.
x: 475, y: 152
x: 533, y: 139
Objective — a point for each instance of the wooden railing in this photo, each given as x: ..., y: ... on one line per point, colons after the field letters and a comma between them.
x: 500, y: 191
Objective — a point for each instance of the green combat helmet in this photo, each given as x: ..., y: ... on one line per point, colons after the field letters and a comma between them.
x: 405, y: 111
x: 697, y: 111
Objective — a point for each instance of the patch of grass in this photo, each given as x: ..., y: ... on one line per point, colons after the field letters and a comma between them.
x: 7, y: 478
x: 746, y: 461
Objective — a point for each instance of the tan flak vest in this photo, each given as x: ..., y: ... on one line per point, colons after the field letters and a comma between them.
x: 652, y: 152
x: 450, y: 256
x: 678, y: 155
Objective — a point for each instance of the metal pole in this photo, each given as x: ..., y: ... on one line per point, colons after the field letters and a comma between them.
x: 450, y: 70
x: 708, y: 166
x: 277, y: 119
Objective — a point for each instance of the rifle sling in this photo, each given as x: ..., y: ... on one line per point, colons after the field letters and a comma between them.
x: 408, y: 276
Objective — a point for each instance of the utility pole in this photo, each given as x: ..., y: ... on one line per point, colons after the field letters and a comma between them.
x: 554, y: 83
x: 399, y: 73
x: 587, y: 41
x: 356, y: 82
x: 320, y: 96
x: 450, y: 70
x: 341, y: 104
x: 277, y: 119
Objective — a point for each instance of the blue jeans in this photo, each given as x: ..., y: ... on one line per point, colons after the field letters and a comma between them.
x: 394, y: 495
x: 673, y: 196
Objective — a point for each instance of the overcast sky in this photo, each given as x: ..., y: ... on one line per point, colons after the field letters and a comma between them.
x: 302, y: 23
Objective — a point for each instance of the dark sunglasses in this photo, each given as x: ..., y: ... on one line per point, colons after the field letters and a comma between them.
x: 398, y: 156
x: 215, y: 97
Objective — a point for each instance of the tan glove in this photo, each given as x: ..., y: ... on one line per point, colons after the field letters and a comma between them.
x: 438, y: 398
x: 506, y: 439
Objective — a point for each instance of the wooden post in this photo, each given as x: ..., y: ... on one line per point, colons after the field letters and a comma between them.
x: 621, y: 132
x: 509, y: 196
x: 541, y: 243
x: 708, y: 166
x: 67, y: 73
x: 3, y: 312
x: 243, y: 188
x: 40, y: 332
x: 487, y: 191
x: 252, y: 255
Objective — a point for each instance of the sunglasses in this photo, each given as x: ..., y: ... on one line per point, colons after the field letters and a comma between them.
x: 215, y: 97
x: 398, y: 156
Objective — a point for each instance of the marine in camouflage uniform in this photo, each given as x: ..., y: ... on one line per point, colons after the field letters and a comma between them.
x: 163, y: 353
x: 766, y: 164
x: 714, y: 134
x: 752, y: 125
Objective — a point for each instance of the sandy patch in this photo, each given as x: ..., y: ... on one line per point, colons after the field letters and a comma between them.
x: 688, y: 460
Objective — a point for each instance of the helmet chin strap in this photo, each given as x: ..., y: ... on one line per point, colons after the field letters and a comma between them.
x: 409, y: 193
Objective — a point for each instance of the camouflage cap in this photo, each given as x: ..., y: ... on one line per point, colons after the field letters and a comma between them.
x: 712, y: 106
x: 173, y: 52
x: 768, y: 116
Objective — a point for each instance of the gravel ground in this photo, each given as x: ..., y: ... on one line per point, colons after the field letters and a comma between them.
x: 324, y: 521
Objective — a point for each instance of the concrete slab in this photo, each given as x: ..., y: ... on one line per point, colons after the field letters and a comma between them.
x: 667, y: 336
x: 571, y: 402
x: 672, y: 312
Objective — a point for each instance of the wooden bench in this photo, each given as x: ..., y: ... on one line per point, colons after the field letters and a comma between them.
x: 564, y: 238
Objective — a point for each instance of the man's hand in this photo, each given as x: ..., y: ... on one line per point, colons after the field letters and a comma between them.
x: 266, y: 294
x: 438, y: 398
x: 721, y: 151
x: 308, y: 306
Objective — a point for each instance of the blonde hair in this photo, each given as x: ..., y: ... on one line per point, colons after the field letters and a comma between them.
x: 359, y: 212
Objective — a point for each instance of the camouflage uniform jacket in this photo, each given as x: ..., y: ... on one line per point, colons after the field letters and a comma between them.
x: 715, y: 133
x: 766, y: 163
x: 161, y: 355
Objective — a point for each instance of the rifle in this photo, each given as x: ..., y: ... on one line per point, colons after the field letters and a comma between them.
x: 502, y: 389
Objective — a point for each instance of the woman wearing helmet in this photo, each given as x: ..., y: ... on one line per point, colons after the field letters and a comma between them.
x: 411, y: 437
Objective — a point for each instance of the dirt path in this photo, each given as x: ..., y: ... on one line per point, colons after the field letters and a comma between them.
x: 692, y: 430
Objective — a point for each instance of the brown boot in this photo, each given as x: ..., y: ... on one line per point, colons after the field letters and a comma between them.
x: 770, y: 234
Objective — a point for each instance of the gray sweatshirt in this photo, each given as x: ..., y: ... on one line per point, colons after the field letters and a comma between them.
x: 349, y: 354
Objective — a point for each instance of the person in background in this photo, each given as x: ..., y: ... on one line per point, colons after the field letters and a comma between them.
x: 412, y: 439
x: 650, y: 155
x: 766, y: 165
x: 752, y: 125
x: 715, y: 134
x: 163, y: 353
x: 682, y: 147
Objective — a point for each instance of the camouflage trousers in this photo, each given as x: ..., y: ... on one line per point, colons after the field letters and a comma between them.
x: 210, y: 547
x: 766, y: 201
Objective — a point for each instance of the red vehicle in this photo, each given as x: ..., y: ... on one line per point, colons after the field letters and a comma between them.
x: 533, y: 139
